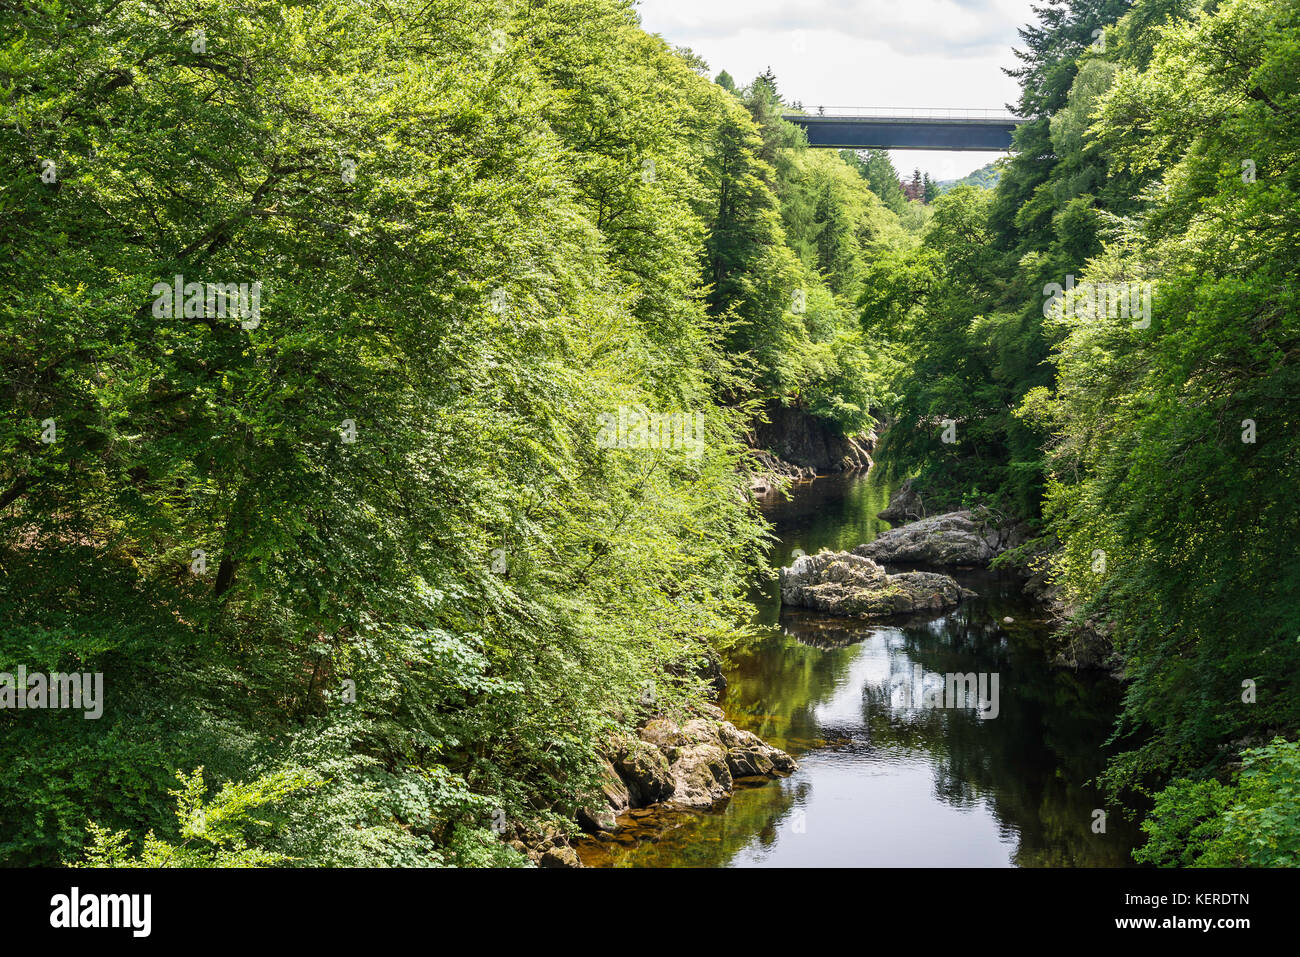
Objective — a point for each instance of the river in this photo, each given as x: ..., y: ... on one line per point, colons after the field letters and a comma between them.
x: 881, y: 780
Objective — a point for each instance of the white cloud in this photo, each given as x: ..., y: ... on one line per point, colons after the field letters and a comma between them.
x: 860, y: 53
x: 958, y: 27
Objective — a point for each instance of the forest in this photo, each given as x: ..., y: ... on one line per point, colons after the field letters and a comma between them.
x: 318, y: 315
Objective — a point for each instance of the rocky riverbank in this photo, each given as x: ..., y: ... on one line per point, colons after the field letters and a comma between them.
x: 792, y: 445
x: 1083, y: 642
x: 694, y: 764
x: 773, y: 474
x: 797, y: 436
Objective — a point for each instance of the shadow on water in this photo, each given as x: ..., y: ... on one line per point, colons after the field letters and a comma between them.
x: 882, y: 780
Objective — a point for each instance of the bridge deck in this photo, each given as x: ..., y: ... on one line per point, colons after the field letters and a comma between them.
x: 951, y: 130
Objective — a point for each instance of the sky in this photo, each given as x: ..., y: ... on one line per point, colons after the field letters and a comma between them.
x: 860, y: 53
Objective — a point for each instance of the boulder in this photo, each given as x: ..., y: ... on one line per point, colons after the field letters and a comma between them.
x: 560, y: 856
x: 851, y: 585
x: 700, y: 731
x: 857, y: 453
x: 614, y: 789
x: 953, y: 538
x: 662, y: 733
x: 694, y: 764
x: 746, y: 750
x: 701, y: 776
x: 644, y: 769
x: 749, y: 763
x: 774, y: 475
x: 597, y: 818
x: 781, y: 762
x: 810, y: 444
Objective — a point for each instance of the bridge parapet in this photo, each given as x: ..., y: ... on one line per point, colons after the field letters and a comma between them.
x: 905, y: 112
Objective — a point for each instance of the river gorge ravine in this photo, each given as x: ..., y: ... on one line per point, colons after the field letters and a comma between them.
x: 883, y: 781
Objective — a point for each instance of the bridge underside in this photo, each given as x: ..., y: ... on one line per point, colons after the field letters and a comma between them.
x: 900, y: 133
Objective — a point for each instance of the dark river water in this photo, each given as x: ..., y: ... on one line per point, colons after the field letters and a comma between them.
x: 883, y: 781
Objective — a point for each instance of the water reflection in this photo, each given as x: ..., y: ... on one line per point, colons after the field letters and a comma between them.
x: 884, y: 781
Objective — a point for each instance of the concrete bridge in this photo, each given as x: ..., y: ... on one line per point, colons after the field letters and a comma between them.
x: 908, y: 129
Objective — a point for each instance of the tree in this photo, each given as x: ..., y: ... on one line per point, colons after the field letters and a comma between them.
x: 878, y: 170
x: 348, y: 512
x: 915, y: 189
x: 1157, y: 462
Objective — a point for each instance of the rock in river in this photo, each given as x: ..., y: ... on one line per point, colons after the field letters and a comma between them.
x: 706, y: 755
x: 953, y: 538
x: 644, y: 769
x: 694, y: 764
x: 842, y: 583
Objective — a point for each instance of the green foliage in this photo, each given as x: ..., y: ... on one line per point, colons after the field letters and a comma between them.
x: 962, y: 361
x: 368, y: 551
x: 878, y: 170
x: 214, y: 833
x: 471, y: 244
x: 1252, y: 822
x: 1154, y: 460
x: 790, y: 244
x: 1161, y: 154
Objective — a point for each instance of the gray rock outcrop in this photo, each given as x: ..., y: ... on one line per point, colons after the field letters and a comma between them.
x: 953, y: 538
x: 851, y: 585
x: 806, y: 441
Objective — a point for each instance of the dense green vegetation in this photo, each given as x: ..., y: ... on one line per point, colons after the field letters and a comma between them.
x: 360, y: 554
x: 1156, y: 449
x: 878, y: 170
x: 355, y: 556
x: 1251, y: 823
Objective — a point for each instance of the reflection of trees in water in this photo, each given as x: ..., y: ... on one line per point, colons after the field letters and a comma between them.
x: 775, y: 686
x: 837, y: 512
x: 778, y: 816
x: 1034, y: 761
x: 823, y: 631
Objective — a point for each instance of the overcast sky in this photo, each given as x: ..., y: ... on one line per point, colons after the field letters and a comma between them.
x: 861, y: 53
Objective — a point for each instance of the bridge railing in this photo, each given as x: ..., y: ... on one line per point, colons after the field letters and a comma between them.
x: 906, y: 112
